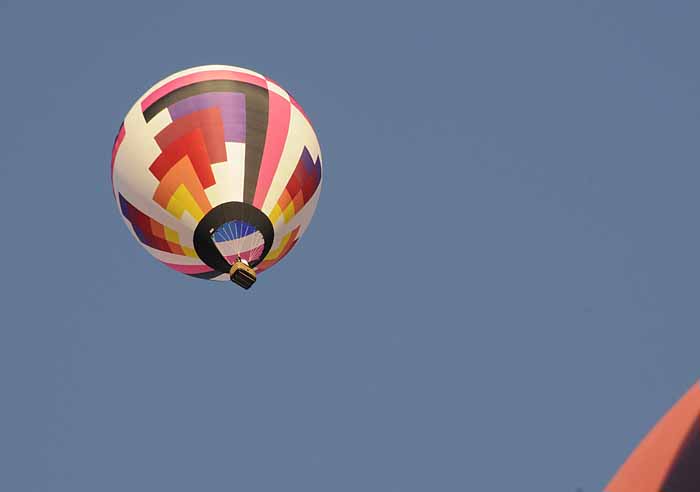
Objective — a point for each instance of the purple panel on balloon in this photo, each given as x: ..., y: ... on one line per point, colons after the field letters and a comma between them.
x: 231, y: 105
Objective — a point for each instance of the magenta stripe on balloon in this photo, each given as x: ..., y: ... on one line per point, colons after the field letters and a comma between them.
x: 200, y: 77
x: 279, y: 112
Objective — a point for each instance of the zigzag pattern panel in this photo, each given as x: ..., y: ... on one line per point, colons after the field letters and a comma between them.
x: 153, y: 233
x: 300, y: 188
x: 280, y: 252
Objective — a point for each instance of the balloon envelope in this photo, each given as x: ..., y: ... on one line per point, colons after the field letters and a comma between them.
x: 214, y: 165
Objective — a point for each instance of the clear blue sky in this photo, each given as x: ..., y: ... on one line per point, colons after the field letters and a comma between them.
x: 519, y: 178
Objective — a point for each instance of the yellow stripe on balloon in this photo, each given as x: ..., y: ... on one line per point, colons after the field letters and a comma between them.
x: 275, y: 214
x: 273, y: 254
x: 172, y: 236
x: 182, y: 201
x: 189, y: 252
x: 289, y: 212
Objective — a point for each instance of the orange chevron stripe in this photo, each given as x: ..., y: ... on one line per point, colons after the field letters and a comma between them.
x: 182, y: 173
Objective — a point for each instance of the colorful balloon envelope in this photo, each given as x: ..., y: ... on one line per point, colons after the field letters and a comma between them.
x: 217, y: 172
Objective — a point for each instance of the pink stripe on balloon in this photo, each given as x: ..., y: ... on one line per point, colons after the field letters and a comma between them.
x: 117, y: 143
x: 298, y: 106
x: 279, y: 113
x: 115, y: 149
x: 190, y: 269
x: 201, y: 77
x: 250, y: 255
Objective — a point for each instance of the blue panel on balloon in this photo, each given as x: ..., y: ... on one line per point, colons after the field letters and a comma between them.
x: 235, y: 229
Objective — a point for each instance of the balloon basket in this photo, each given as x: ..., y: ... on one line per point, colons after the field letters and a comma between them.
x: 242, y: 275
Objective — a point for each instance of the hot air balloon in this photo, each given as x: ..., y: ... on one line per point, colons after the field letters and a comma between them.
x: 668, y: 458
x: 216, y: 171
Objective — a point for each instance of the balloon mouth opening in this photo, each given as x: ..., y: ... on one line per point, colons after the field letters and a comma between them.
x: 238, y: 240
x: 233, y: 238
